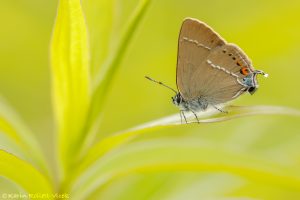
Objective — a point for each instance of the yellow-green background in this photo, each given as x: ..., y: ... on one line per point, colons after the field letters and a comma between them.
x: 268, y: 31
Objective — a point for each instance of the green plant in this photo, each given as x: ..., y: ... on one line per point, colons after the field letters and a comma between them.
x: 86, y: 167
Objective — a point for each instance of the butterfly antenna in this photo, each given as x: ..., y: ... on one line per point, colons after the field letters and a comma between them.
x: 160, y: 83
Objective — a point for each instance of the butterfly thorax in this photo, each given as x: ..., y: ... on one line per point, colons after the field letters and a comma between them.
x: 195, y: 105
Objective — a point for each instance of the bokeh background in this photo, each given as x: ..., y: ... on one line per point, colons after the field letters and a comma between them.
x: 268, y: 31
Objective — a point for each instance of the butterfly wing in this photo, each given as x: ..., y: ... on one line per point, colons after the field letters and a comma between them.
x: 195, y: 43
x: 207, y: 66
x: 225, y: 67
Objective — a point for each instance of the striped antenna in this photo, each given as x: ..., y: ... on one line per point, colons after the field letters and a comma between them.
x: 160, y: 83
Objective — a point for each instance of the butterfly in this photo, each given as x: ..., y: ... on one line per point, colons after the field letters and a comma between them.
x: 209, y: 71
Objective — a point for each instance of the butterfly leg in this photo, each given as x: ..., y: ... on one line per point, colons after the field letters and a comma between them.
x: 196, y: 117
x: 182, y: 114
x: 222, y: 111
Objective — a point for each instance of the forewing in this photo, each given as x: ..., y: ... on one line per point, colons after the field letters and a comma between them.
x: 196, y: 41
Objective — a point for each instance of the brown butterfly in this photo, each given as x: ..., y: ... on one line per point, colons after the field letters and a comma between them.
x: 210, y: 71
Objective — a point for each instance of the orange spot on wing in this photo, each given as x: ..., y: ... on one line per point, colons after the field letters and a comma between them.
x: 244, y: 71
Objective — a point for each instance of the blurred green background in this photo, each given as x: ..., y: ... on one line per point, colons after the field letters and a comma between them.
x: 268, y: 31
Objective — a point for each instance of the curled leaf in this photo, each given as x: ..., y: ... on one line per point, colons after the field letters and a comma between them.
x: 210, y: 115
x: 71, y: 78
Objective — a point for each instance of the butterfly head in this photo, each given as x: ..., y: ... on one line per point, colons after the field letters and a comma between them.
x: 177, y: 99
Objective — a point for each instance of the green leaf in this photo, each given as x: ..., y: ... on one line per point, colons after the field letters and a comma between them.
x: 71, y: 79
x: 183, y: 155
x: 169, y: 185
x: 100, y: 19
x: 16, y: 138
x: 106, y: 73
x: 211, y: 115
x: 23, y: 174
